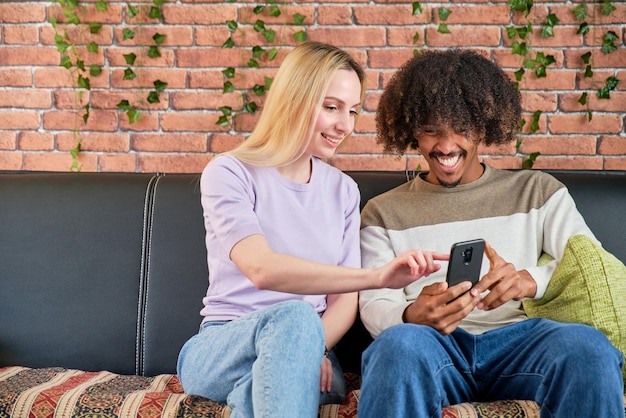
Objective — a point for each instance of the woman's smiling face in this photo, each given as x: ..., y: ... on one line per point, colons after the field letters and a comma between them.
x: 341, y: 104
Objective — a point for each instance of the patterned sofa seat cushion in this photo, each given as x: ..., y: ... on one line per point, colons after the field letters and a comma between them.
x: 48, y: 392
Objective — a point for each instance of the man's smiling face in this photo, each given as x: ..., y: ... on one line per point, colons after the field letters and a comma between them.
x: 452, y: 158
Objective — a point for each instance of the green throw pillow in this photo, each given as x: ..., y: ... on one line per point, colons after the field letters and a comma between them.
x: 587, y: 287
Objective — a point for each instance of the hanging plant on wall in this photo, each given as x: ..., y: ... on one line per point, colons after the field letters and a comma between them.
x: 75, y: 50
x: 259, y: 53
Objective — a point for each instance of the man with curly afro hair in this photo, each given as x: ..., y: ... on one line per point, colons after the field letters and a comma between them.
x: 437, y: 345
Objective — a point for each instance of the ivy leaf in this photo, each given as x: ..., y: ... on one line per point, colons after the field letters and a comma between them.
x: 159, y: 85
x: 94, y: 28
x: 298, y: 19
x: 583, y: 99
x: 519, y: 74
x: 607, y: 7
x: 129, y: 74
x: 229, y: 72
x: 232, y: 25
x: 530, y: 161
x: 251, y: 107
x: 547, y: 32
x: 444, y: 13
x: 80, y: 64
x: 133, y: 115
x: 416, y: 37
x: 268, y: 82
x: 443, y: 28
x: 92, y: 47
x: 153, y: 97
x: 132, y: 11
x: 583, y: 29
x: 128, y: 34
x: 511, y: 32
x: 101, y: 5
x: 153, y: 52
x: 540, y: 71
x: 154, y: 13
x: 257, y: 51
x: 258, y: 89
x: 580, y: 11
x: 229, y: 43
x: 95, y: 70
x: 226, y: 110
x: 552, y: 19
x: 228, y: 87
x: 586, y: 57
x: 588, y: 72
x: 545, y: 59
x: 83, y: 82
x: 258, y: 26
x: 158, y: 2
x: 269, y: 35
x: 258, y: 10
x: 300, y: 36
x: 521, y: 5
x: 66, y: 62
x: 534, y: 126
x: 609, y: 85
x: 223, y: 122
x: 252, y: 63
x: 417, y: 8
x: 159, y: 38
x: 130, y: 58
x: 72, y: 19
x: 519, y: 48
x: 272, y: 53
x: 608, y: 40
x: 274, y: 11
x: 123, y: 105
x: 61, y: 44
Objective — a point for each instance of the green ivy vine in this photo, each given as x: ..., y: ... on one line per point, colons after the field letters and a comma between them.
x: 259, y: 54
x: 81, y: 74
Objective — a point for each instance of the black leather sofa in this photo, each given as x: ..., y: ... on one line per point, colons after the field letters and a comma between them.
x: 106, y: 271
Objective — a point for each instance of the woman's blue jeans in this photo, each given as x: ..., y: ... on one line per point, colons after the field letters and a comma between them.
x: 263, y: 364
x: 570, y: 370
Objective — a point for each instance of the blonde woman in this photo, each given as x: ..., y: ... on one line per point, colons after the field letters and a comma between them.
x: 282, y: 237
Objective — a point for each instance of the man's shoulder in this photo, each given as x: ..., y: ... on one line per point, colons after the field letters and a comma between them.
x: 525, y: 179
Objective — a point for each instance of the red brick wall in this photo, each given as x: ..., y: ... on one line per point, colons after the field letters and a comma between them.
x: 179, y: 134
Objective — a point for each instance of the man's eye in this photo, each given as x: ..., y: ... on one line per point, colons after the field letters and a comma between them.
x: 429, y: 130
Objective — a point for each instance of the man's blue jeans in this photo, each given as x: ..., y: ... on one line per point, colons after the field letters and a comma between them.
x: 570, y: 370
x: 263, y: 364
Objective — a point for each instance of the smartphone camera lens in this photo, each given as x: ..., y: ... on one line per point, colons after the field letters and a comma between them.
x: 467, y: 255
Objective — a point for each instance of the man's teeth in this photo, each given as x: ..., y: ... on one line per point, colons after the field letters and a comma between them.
x: 448, y: 161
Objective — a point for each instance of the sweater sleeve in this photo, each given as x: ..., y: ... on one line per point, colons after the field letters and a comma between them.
x: 562, y: 221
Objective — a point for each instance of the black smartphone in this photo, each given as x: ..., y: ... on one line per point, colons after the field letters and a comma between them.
x: 466, y: 259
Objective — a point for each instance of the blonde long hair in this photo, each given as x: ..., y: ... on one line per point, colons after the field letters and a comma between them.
x: 293, y: 103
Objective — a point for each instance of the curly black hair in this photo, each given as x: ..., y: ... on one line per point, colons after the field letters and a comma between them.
x: 458, y: 89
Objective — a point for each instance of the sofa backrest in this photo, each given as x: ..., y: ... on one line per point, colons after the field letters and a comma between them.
x: 99, y: 271
x: 107, y: 271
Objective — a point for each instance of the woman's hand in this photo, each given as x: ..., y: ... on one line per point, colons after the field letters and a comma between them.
x: 326, y: 375
x: 408, y: 267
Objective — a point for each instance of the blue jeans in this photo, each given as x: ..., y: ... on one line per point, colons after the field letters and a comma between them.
x: 263, y: 364
x: 570, y: 370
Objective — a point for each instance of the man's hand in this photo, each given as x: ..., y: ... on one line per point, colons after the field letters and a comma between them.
x: 438, y: 307
x: 504, y: 282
